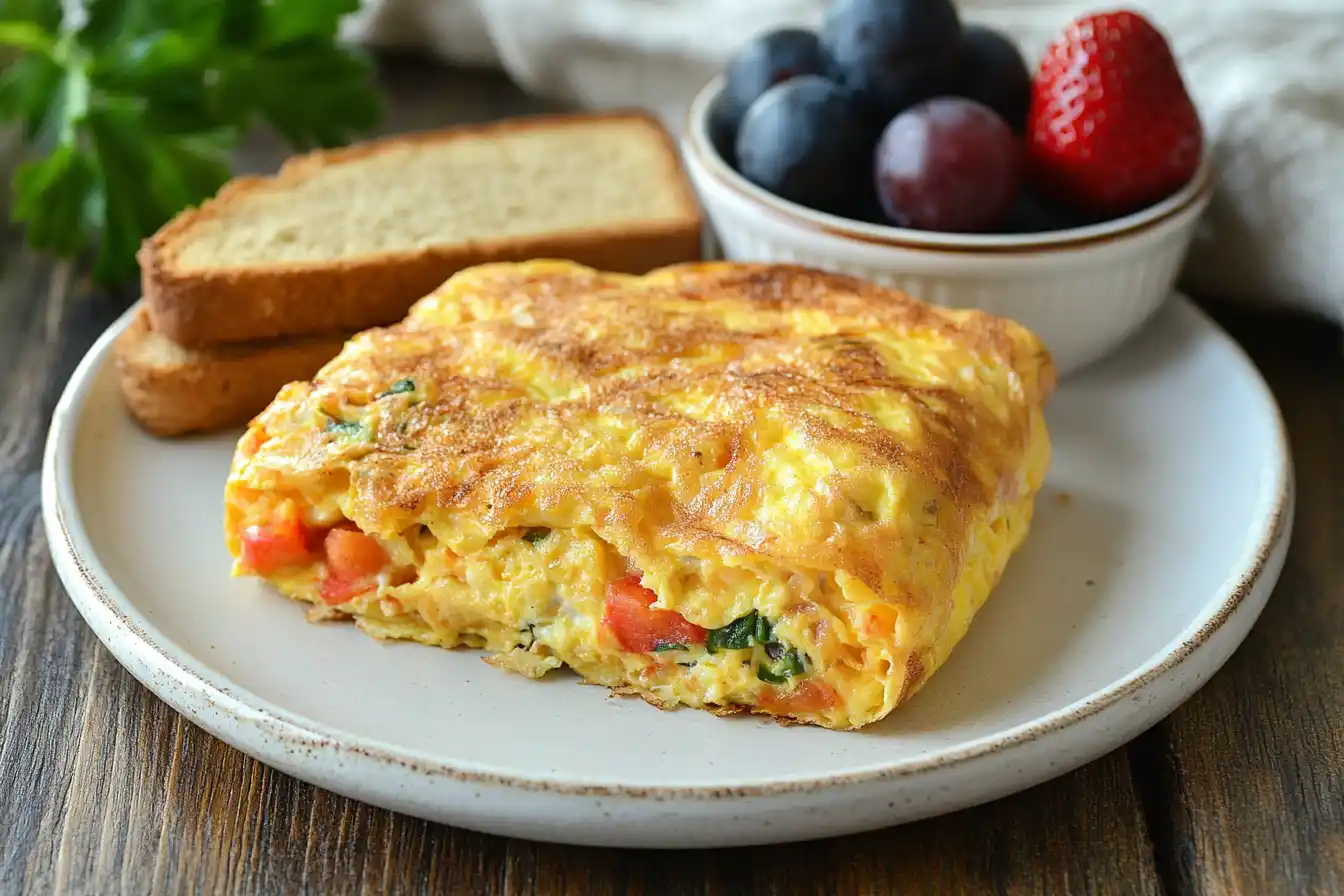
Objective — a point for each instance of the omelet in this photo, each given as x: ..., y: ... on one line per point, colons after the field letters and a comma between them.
x: 736, y: 487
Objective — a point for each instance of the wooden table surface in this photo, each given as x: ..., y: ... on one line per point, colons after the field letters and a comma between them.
x: 104, y: 789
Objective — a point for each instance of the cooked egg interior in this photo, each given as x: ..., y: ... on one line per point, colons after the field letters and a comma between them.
x: 732, y: 487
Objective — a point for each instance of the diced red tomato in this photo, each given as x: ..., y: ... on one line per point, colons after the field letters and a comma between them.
x: 276, y: 545
x: 807, y: 697
x: 353, y: 561
x: 637, y: 626
x: 351, y: 554
x: 337, y: 590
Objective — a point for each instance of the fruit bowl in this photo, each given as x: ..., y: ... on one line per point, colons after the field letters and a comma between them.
x: 1083, y: 290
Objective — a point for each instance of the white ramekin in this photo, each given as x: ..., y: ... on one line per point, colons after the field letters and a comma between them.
x: 1081, y: 290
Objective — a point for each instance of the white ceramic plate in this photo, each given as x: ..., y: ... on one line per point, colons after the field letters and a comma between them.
x: 1162, y: 530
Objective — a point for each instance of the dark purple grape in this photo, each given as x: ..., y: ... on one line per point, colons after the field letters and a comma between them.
x: 761, y: 63
x: 991, y: 71
x: 799, y: 142
x: 893, y: 53
x: 948, y: 164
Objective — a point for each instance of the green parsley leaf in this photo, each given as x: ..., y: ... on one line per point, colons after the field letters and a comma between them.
x: 790, y: 663
x: 132, y: 112
x: 784, y: 662
x: 345, y: 428
x: 46, y: 14
x: 243, y: 22
x: 662, y: 647
x: 399, y: 387
x: 143, y: 173
x: 52, y: 196
x: 736, y: 635
x: 535, y: 536
x: 26, y: 35
x: 284, y: 22
x: 29, y: 92
x: 279, y: 82
x: 106, y: 19
x: 763, y: 632
x: 161, y: 70
x: 204, y: 22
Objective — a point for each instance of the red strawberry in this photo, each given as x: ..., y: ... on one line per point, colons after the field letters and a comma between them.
x: 1111, y: 127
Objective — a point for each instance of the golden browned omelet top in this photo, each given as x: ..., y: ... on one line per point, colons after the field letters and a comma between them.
x: 730, y: 413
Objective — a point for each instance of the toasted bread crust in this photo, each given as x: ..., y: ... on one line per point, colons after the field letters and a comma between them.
x: 202, y: 307
x: 212, y: 388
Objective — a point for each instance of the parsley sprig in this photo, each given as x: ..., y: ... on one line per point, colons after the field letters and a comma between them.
x: 131, y: 108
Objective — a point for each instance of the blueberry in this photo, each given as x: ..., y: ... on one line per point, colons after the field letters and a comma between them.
x: 893, y: 53
x: 761, y: 63
x: 1032, y: 214
x: 867, y: 207
x: 799, y: 142
x: 991, y: 71
x: 722, y: 126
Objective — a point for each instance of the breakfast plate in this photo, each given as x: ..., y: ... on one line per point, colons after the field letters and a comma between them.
x: 1158, y: 538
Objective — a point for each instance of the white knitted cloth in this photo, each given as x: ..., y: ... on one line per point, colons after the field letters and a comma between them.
x: 1267, y: 76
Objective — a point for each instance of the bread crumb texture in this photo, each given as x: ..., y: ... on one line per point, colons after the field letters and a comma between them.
x: 422, y: 194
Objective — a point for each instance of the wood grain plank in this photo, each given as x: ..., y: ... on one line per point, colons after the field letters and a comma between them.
x: 238, y: 827
x: 1254, y: 765
x: 46, y: 653
x: 1050, y: 839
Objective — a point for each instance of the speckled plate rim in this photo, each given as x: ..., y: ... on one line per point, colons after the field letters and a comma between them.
x: 137, y: 644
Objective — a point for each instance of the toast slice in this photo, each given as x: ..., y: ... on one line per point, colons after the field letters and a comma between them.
x: 347, y: 239
x: 172, y: 390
